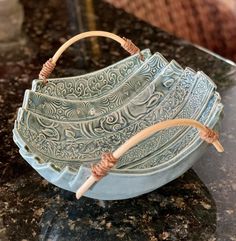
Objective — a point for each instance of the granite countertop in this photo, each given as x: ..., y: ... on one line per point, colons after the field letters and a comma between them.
x: 200, y: 205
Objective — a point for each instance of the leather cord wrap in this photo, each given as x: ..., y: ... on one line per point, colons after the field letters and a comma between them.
x: 46, y: 70
x: 107, y: 162
x: 131, y: 48
x: 209, y: 135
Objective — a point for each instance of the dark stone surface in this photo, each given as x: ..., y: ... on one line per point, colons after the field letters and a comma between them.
x: 200, y: 205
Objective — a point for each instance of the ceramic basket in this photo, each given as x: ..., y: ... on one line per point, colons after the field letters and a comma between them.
x: 152, y: 118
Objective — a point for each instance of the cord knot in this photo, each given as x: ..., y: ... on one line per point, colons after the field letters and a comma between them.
x: 100, y: 170
x: 209, y: 135
x: 47, y: 69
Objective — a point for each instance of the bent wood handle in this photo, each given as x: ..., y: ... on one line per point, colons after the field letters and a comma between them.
x: 108, y: 160
x: 49, y: 66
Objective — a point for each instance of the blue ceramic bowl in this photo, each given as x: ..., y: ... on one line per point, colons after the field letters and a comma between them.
x: 63, y: 127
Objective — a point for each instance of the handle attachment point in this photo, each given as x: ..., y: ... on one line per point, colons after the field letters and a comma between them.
x: 46, y: 70
x: 131, y: 48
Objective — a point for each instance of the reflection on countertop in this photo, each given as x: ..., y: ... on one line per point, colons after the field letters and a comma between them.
x: 200, y: 205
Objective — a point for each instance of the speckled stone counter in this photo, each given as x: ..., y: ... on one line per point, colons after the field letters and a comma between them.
x: 200, y: 205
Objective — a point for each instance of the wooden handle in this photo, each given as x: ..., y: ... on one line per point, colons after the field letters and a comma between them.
x: 49, y: 66
x: 109, y: 160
